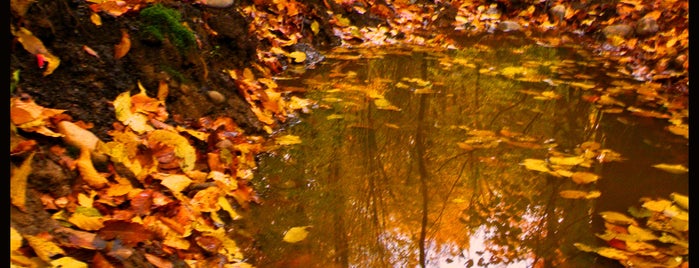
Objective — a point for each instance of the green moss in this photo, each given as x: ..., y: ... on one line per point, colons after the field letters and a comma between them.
x: 162, y: 22
x: 174, y: 73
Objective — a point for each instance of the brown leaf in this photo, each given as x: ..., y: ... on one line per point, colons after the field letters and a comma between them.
x: 123, y: 47
x: 208, y: 243
x: 80, y: 239
x: 142, y: 202
x: 130, y: 233
x: 99, y: 261
x: 159, y: 262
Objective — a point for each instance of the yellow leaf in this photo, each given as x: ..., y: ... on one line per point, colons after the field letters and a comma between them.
x: 43, y: 248
x: 15, y: 239
x: 640, y: 234
x: 225, y: 205
x: 657, y: 205
x: 566, y: 161
x: 88, y: 171
x: 34, y: 46
x: 183, y: 149
x: 682, y: 130
x: 288, y: 140
x: 617, y: 218
x: 86, y: 223
x: 612, y: 253
x: 575, y: 194
x: 176, y: 182
x: 674, y: 169
x: 298, y: 56
x: 18, y: 182
x: 681, y: 200
x: 384, y: 104
x: 202, y: 136
x: 315, y: 27
x: 584, y: 177
x: 296, y: 234
x: 122, y: 187
x: 536, y: 165
x: 86, y: 201
x: 206, y: 200
x: 96, y: 19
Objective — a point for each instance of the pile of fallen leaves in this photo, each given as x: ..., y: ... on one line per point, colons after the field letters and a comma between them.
x: 157, y: 193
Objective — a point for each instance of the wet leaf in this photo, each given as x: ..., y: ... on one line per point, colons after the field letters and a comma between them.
x: 536, y: 165
x: 384, y: 104
x: 612, y: 253
x: 681, y: 200
x: 641, y: 234
x: 566, y: 161
x: 682, y: 130
x: 617, y: 218
x: 225, y: 205
x: 674, y: 169
x: 584, y: 177
x: 287, y: 140
x: 575, y: 194
x: 296, y: 234
x: 656, y: 205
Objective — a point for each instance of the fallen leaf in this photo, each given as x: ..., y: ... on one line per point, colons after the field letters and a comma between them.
x: 536, y: 165
x: 681, y: 200
x: 296, y: 234
x: 674, y: 169
x: 88, y: 172
x: 584, y: 177
x: 617, y: 218
x: 68, y: 262
x: 18, y: 182
x: 34, y: 46
x: 124, y: 45
x: 15, y: 239
x: 287, y: 140
x: 298, y: 56
x: 182, y: 148
x: 43, y: 248
x: 130, y: 233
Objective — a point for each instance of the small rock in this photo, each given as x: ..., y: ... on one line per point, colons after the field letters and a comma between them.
x: 646, y: 26
x: 215, y: 96
x: 508, y: 26
x: 558, y: 12
x: 217, y: 3
x: 622, y: 30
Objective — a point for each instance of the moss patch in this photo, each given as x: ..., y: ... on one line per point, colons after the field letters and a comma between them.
x: 162, y: 22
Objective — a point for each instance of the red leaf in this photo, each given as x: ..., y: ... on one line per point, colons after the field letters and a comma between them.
x: 616, y: 243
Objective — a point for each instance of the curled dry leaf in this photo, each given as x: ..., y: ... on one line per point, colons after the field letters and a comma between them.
x: 124, y: 45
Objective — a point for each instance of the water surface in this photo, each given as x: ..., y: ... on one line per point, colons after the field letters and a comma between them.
x: 414, y: 157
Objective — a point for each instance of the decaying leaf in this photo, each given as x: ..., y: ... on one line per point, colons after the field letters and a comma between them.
x: 296, y: 234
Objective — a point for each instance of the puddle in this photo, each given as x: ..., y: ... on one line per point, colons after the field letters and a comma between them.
x: 414, y: 157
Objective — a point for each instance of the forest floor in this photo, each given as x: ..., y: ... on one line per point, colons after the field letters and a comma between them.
x: 200, y: 58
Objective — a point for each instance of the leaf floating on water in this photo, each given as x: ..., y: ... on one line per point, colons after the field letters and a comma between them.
x: 288, y: 140
x: 612, y: 253
x: 674, y: 169
x: 384, y: 104
x: 536, y: 165
x: 617, y: 218
x: 641, y: 234
x: 657, y: 205
x: 296, y: 234
x: 566, y: 161
x: 682, y: 130
x: 575, y: 194
x: 681, y: 200
x: 334, y: 116
x: 584, y: 177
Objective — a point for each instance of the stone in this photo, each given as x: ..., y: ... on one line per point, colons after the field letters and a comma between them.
x: 622, y: 30
x: 217, y: 3
x: 558, y: 12
x: 508, y: 26
x: 646, y: 26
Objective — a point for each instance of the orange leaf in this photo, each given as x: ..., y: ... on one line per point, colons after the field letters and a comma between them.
x: 123, y: 47
x: 130, y: 233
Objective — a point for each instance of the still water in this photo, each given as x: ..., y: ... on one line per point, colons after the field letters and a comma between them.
x: 413, y: 157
